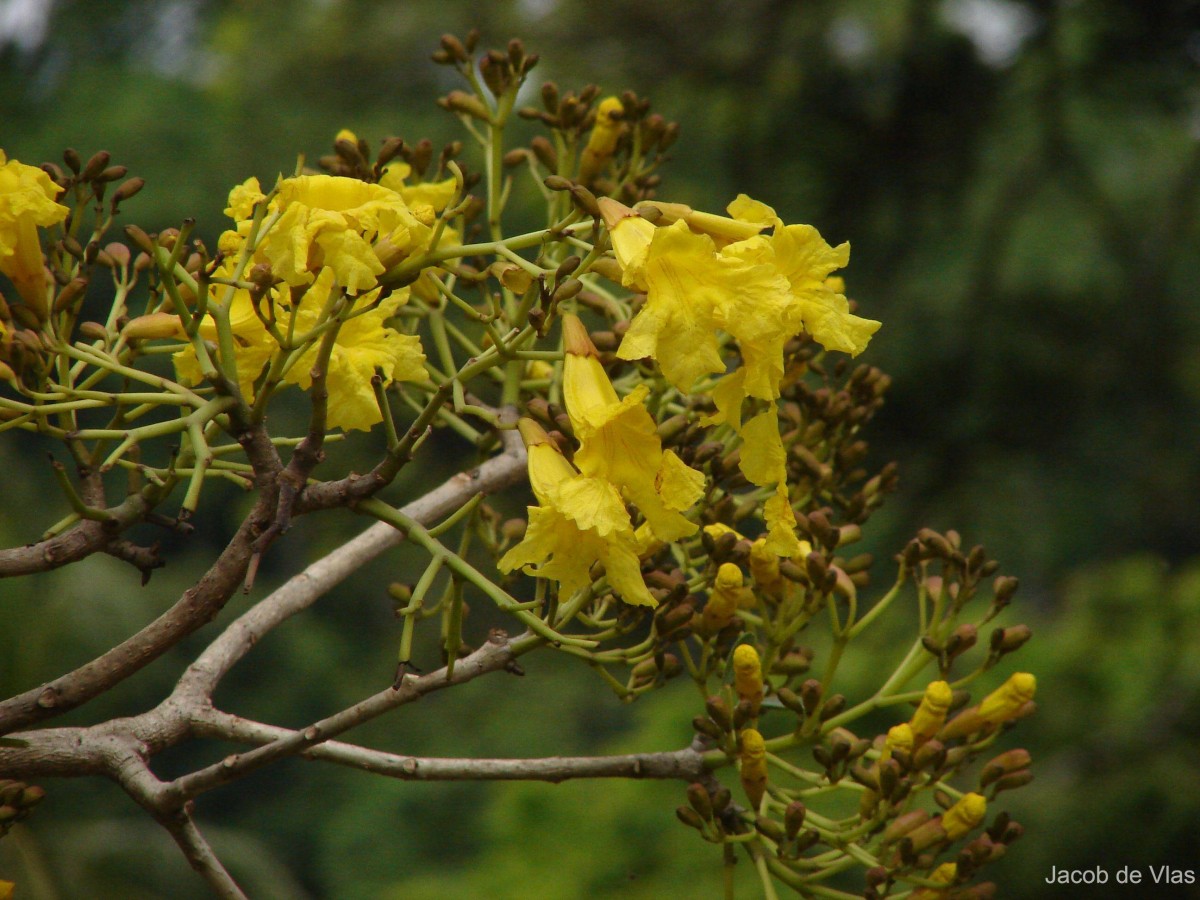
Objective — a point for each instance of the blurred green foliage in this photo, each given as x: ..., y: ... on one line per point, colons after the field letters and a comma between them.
x: 1019, y: 182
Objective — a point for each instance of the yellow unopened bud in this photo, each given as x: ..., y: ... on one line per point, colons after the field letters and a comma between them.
x: 899, y: 737
x: 931, y: 714
x: 1006, y: 701
x: 722, y: 226
x: 718, y: 529
x: 964, y: 815
x: 943, y: 874
x: 630, y: 235
x: 538, y: 368
x: 587, y: 390
x: 722, y: 599
x: 753, y: 757
x: 747, y: 676
x: 154, y: 325
x: 602, y: 142
x: 346, y: 135
x: 764, y: 568
x: 547, y: 467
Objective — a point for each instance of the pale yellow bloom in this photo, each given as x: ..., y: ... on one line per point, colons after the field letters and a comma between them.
x: 580, y: 521
x: 335, y: 222
x: 364, y: 344
x: 619, y: 441
x: 762, y: 290
x: 27, y: 203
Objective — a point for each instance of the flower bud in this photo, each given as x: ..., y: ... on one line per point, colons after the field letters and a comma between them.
x: 964, y: 815
x: 97, y: 164
x: 1006, y: 702
x: 1006, y: 640
x: 1004, y: 764
x: 747, y: 676
x: 545, y: 153
x: 690, y: 817
x: 904, y: 824
x: 700, y: 800
x: 931, y: 714
x: 752, y: 753
x: 154, y: 325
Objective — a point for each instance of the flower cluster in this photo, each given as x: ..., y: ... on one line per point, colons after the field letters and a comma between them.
x: 326, y: 242
x: 704, y: 275
x: 620, y: 458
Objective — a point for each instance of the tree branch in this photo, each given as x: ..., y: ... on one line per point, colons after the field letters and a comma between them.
x: 302, y: 590
x: 686, y: 764
x: 494, y: 655
x: 198, y: 606
x: 88, y: 537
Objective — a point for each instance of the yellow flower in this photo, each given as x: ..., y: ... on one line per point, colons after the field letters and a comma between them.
x: 426, y: 199
x: 753, y: 758
x: 253, y: 345
x: 761, y: 289
x: 619, y: 441
x: 335, y: 222
x: 964, y: 815
x: 27, y: 202
x: 363, y: 345
x: 931, y: 714
x: 581, y: 521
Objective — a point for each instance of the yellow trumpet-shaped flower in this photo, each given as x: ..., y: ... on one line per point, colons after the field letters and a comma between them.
x: 27, y: 203
x: 931, y: 714
x: 363, y: 345
x: 619, y: 441
x: 748, y: 676
x: 580, y: 521
x: 336, y: 222
x: 253, y: 344
x: 762, y: 290
x: 964, y: 815
x: 753, y: 758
